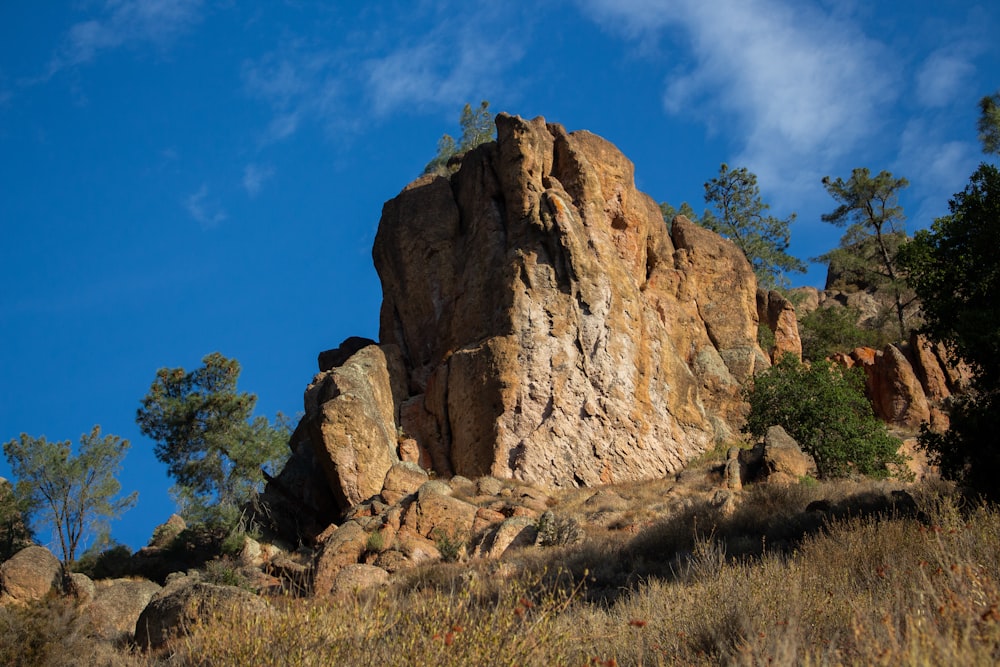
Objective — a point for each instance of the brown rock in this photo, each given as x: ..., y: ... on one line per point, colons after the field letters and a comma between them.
x: 435, y: 512
x: 779, y: 315
x: 350, y: 412
x: 358, y: 578
x: 594, y: 349
x: 341, y: 548
x: 896, y: 393
x: 929, y: 369
x: 403, y: 479
x: 30, y: 574
x: 117, y: 605
x: 778, y: 459
x: 175, y: 609
x: 417, y: 548
x: 511, y: 534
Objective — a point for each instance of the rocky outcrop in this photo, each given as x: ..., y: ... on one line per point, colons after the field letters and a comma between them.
x: 117, y: 604
x: 183, y: 603
x: 909, y: 384
x: 778, y: 314
x: 30, y: 574
x: 550, y: 328
x: 777, y: 459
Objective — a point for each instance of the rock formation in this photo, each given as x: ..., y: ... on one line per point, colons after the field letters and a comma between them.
x: 551, y: 329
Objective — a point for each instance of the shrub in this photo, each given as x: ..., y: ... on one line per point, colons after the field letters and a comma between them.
x: 824, y: 408
x: 450, y: 546
x: 558, y: 531
x: 826, y: 331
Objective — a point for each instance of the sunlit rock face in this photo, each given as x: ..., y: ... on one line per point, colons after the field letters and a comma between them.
x: 551, y: 327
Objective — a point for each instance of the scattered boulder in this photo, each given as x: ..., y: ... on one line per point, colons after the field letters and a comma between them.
x: 357, y: 578
x: 30, y: 574
x: 777, y: 459
x: 181, y: 604
x: 117, y: 604
x: 344, y: 546
x: 402, y: 480
x: 515, y: 532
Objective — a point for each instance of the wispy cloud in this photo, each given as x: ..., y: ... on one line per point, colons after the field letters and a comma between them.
x: 254, y: 176
x: 796, y: 83
x: 126, y: 22
x: 206, y: 212
x: 463, y: 55
x: 943, y: 75
x: 466, y: 52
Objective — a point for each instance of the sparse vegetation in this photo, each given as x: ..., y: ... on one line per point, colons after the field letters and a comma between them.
x: 826, y: 331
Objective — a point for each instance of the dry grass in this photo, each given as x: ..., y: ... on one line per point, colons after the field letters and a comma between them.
x: 864, y: 582
x: 867, y: 584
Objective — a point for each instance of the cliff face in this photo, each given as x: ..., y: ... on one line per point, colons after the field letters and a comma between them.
x: 549, y: 327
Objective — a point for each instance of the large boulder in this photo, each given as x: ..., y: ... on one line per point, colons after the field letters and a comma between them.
x: 30, y: 574
x: 117, y: 604
x: 178, y: 607
x: 551, y: 327
x: 350, y: 422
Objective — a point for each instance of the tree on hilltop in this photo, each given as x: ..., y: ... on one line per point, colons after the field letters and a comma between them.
x: 477, y: 128
x: 989, y: 123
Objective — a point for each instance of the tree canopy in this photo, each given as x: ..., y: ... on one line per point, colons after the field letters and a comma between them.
x: 477, y: 128
x: 989, y: 123
x: 741, y: 216
x: 205, y: 435
x: 75, y: 495
x: 954, y: 267
x: 869, y: 209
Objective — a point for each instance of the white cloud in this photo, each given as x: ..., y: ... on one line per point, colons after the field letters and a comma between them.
x: 206, y: 212
x: 454, y: 63
x: 125, y: 22
x: 460, y: 58
x: 298, y: 83
x: 254, y: 176
x: 943, y: 76
x: 798, y: 84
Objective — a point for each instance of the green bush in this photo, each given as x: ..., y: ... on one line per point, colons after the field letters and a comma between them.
x: 824, y: 408
x: 826, y: 331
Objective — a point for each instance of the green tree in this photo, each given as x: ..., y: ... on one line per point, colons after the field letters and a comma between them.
x: 741, y: 216
x: 75, y: 495
x: 954, y: 267
x: 826, y: 331
x: 669, y: 213
x: 15, y: 532
x: 205, y: 435
x: 869, y: 209
x: 477, y: 128
x: 989, y: 123
x: 824, y: 408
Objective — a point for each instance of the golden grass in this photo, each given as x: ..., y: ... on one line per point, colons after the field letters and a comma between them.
x: 862, y: 583
x: 866, y: 587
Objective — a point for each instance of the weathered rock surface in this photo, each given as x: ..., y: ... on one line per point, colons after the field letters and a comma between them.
x: 178, y: 606
x: 30, y: 574
x: 351, y: 423
x: 779, y: 314
x: 908, y: 384
x: 550, y: 328
x: 778, y: 459
x: 117, y: 604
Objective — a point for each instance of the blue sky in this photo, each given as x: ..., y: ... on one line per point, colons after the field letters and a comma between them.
x: 184, y: 176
